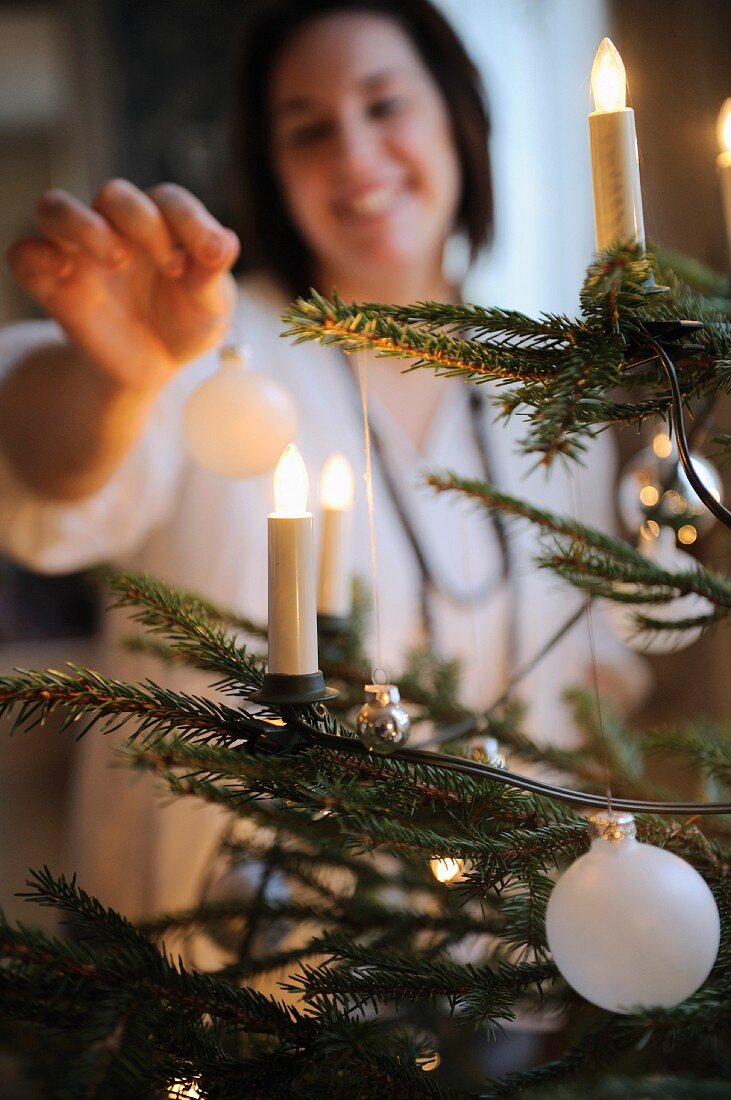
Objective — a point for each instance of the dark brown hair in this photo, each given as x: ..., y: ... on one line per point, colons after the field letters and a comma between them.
x: 269, y: 240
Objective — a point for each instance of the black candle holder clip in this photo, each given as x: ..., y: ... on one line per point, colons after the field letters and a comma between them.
x: 281, y: 689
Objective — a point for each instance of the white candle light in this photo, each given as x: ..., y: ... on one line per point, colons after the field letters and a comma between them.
x: 292, y: 605
x: 334, y: 590
x: 723, y: 162
x: 614, y: 156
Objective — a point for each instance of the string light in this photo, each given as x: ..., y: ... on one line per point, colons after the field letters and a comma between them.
x: 662, y: 445
x: 186, y: 1089
x: 446, y: 868
x: 429, y: 1062
x: 650, y: 530
x: 723, y: 127
x: 687, y: 534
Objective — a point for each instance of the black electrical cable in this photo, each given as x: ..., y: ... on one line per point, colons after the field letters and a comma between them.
x: 524, y: 782
x: 719, y: 510
x: 501, y: 775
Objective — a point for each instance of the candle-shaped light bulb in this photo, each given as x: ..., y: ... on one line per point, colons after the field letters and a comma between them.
x: 336, y: 483
x: 292, y: 602
x: 291, y: 484
x: 334, y: 588
x: 723, y: 163
x: 608, y: 78
x: 614, y: 158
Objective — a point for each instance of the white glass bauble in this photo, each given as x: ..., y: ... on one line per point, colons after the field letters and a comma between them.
x: 654, y: 486
x: 632, y: 926
x: 238, y: 422
x: 665, y: 553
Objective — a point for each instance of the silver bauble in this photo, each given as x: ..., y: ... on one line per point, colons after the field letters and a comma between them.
x: 654, y: 489
x: 485, y: 750
x: 383, y: 725
x: 231, y: 880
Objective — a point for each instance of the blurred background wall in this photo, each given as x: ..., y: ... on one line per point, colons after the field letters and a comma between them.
x: 141, y: 88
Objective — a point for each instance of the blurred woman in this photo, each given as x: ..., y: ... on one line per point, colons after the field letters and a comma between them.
x: 364, y: 150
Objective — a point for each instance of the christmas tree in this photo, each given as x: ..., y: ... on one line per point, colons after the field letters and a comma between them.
x: 418, y: 881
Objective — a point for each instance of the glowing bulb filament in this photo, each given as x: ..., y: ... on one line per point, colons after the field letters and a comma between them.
x: 291, y: 483
x: 608, y: 78
x: 723, y: 127
x: 336, y: 484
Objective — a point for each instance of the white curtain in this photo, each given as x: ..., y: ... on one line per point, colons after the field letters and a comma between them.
x: 535, y: 57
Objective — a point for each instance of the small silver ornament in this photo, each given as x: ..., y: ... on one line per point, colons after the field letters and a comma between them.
x: 654, y: 492
x: 485, y: 750
x: 239, y: 881
x: 383, y: 725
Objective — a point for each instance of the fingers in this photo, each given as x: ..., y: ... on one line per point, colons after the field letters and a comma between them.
x: 168, y: 225
x: 39, y: 266
x: 72, y: 226
x: 205, y: 240
x: 136, y: 217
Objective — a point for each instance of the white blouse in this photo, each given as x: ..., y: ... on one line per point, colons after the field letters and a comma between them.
x: 163, y: 514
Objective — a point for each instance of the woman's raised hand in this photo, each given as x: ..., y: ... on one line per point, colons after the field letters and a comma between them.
x: 140, y: 281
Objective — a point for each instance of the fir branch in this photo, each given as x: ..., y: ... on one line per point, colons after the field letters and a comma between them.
x: 606, y: 747
x: 23, y: 950
x: 563, y: 371
x: 525, y: 851
x: 363, y: 326
x: 189, y: 631
x: 481, y: 994
x: 317, y: 781
x: 509, y: 326
x: 596, y: 562
x: 493, y: 499
x: 707, y: 746
x: 607, y: 575
x: 355, y: 916
x: 685, y: 274
x: 81, y: 693
x: 704, y: 1013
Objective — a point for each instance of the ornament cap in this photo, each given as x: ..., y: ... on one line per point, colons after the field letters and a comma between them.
x: 381, y: 694
x: 614, y: 827
x: 234, y: 355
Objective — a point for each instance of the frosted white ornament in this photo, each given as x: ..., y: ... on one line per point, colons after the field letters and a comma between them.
x: 662, y: 550
x: 630, y: 925
x: 238, y: 422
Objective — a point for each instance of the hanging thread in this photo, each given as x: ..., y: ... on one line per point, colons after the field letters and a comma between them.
x: 576, y: 500
x: 363, y: 386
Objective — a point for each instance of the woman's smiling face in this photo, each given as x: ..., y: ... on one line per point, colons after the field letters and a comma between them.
x: 363, y: 148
